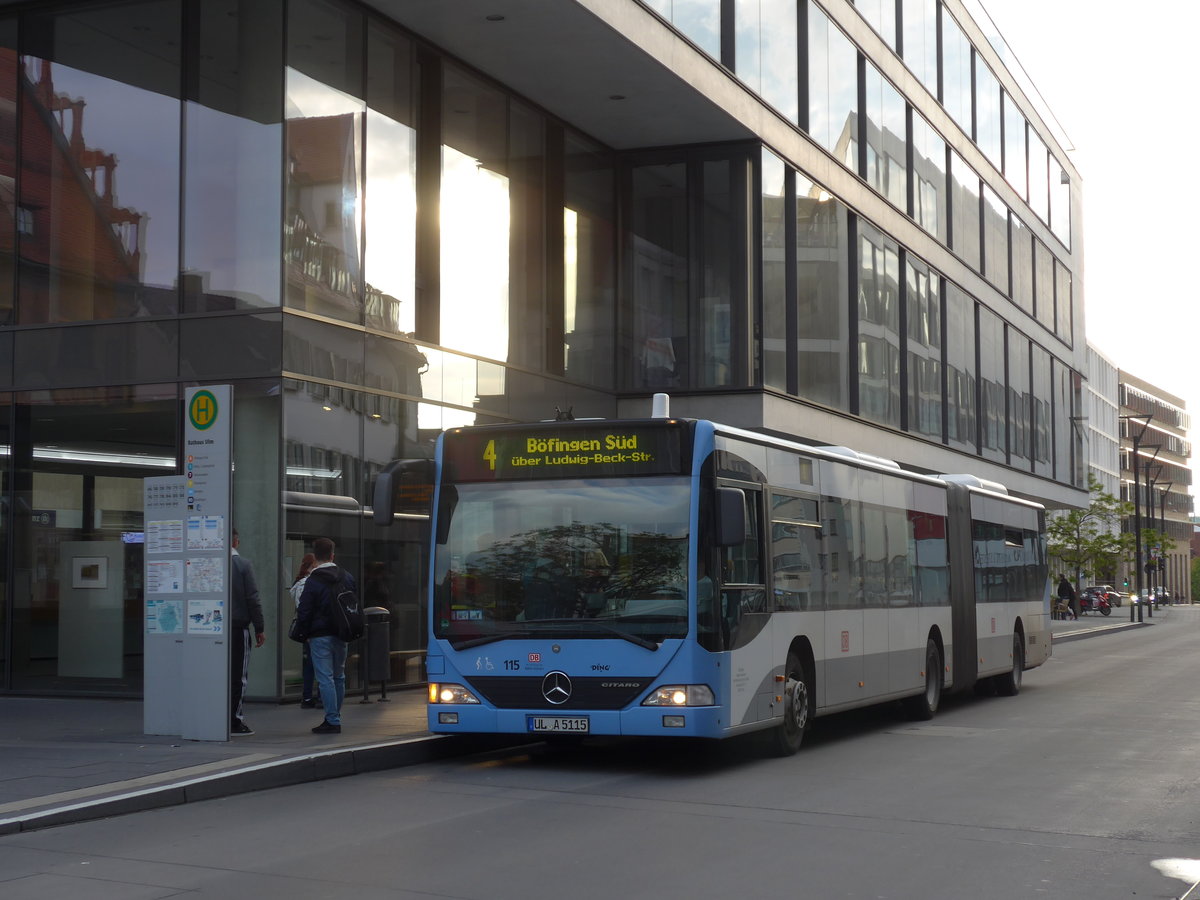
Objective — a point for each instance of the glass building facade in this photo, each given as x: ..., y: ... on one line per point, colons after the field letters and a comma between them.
x: 377, y: 229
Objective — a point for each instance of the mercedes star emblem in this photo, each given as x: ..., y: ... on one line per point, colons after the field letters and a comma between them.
x: 556, y: 688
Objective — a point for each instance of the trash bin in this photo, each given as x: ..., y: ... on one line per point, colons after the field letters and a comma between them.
x: 378, y: 644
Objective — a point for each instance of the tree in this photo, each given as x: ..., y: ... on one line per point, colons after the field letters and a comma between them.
x: 1090, y: 539
x: 1195, y: 578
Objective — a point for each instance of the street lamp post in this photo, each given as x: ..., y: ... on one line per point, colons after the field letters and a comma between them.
x: 1137, y: 518
x: 1150, y: 481
x: 1162, y: 529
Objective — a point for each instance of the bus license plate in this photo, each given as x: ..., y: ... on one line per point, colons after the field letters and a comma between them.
x: 570, y: 724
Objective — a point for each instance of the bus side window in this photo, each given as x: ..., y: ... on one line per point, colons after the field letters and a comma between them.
x: 742, y: 590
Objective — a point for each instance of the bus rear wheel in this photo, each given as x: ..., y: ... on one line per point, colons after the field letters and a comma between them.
x: 1009, y: 684
x: 923, y: 706
x: 787, y: 737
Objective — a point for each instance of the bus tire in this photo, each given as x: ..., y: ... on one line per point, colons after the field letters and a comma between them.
x: 1009, y: 684
x: 787, y: 737
x: 923, y: 706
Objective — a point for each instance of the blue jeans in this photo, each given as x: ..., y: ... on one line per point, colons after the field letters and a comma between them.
x: 329, y: 665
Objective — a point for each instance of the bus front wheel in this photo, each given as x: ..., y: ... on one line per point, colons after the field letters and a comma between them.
x: 797, y: 708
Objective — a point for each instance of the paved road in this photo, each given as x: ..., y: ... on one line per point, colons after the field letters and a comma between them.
x: 1084, y: 786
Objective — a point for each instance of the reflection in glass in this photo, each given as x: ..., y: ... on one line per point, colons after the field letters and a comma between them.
x: 960, y: 368
x: 766, y: 52
x: 920, y: 40
x: 832, y: 88
x: 1022, y: 264
x: 995, y: 239
x: 6, y: 486
x: 956, y: 72
x: 9, y: 214
x: 657, y: 261
x: 1060, y: 202
x: 924, y: 347
x: 233, y: 131
x: 1020, y: 399
x: 391, y: 198
x: 822, y: 290
x: 1039, y: 177
x: 991, y: 384
x: 527, y: 235
x: 1043, y: 284
x: 1062, y: 301
x: 1016, y: 164
x: 712, y: 347
x: 887, y: 141
x: 324, y: 112
x: 698, y: 20
x: 774, y: 273
x: 476, y: 217
x: 881, y: 15
x: 987, y: 112
x: 67, y: 636
x: 929, y: 180
x: 599, y: 559
x: 100, y: 192
x: 1041, y: 411
x: 964, y: 198
x: 589, y: 263
x: 878, y: 327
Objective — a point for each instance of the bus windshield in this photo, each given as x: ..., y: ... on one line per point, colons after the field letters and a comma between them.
x: 594, y: 558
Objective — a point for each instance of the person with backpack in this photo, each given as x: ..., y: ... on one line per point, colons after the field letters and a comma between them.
x: 322, y: 617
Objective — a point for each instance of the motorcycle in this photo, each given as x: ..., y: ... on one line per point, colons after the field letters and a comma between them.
x: 1094, y: 602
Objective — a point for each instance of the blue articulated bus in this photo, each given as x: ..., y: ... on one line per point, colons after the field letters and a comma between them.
x: 676, y: 577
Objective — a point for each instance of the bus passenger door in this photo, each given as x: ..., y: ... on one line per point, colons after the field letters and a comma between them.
x: 840, y: 678
x: 743, y: 610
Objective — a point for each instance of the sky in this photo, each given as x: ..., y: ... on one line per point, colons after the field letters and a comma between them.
x: 1119, y: 81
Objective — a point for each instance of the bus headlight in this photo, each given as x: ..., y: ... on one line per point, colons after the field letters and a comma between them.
x: 450, y: 693
x: 681, y: 695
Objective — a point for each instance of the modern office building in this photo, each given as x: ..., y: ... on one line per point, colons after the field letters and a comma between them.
x: 851, y: 223
x: 1155, y: 477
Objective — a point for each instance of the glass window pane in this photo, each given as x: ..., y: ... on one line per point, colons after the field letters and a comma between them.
x: 102, y: 87
x: 881, y: 15
x: 476, y: 216
x: 656, y: 323
x: 766, y: 53
x: 878, y: 327
x: 929, y: 180
x: 391, y: 187
x: 9, y: 69
x: 1062, y: 302
x: 920, y: 40
x: 527, y: 236
x: 1043, y: 285
x: 81, y: 458
x: 991, y: 382
x: 965, y: 201
x: 956, y: 72
x: 924, y: 348
x: 699, y: 20
x: 1041, y: 411
x: 589, y: 260
x: 995, y: 239
x: 960, y: 367
x: 1016, y: 163
x: 1022, y: 265
x: 1020, y: 435
x: 1039, y: 177
x: 987, y: 112
x: 887, y: 141
x: 774, y: 274
x: 832, y: 88
x: 232, y: 184
x: 822, y: 296
x: 1060, y: 202
x: 719, y: 305
x: 324, y: 110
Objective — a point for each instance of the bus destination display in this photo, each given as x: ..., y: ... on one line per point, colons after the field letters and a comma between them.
x: 556, y: 451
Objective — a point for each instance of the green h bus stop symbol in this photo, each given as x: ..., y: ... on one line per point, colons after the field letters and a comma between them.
x: 202, y: 411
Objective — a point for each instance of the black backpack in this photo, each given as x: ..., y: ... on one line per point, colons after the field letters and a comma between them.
x: 348, y: 619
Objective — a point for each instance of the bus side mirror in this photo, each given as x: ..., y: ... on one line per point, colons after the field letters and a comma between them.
x: 403, y: 486
x: 731, y: 517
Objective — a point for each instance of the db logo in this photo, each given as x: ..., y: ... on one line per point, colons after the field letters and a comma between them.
x: 535, y: 657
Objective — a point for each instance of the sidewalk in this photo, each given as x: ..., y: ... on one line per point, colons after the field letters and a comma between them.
x: 70, y: 760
